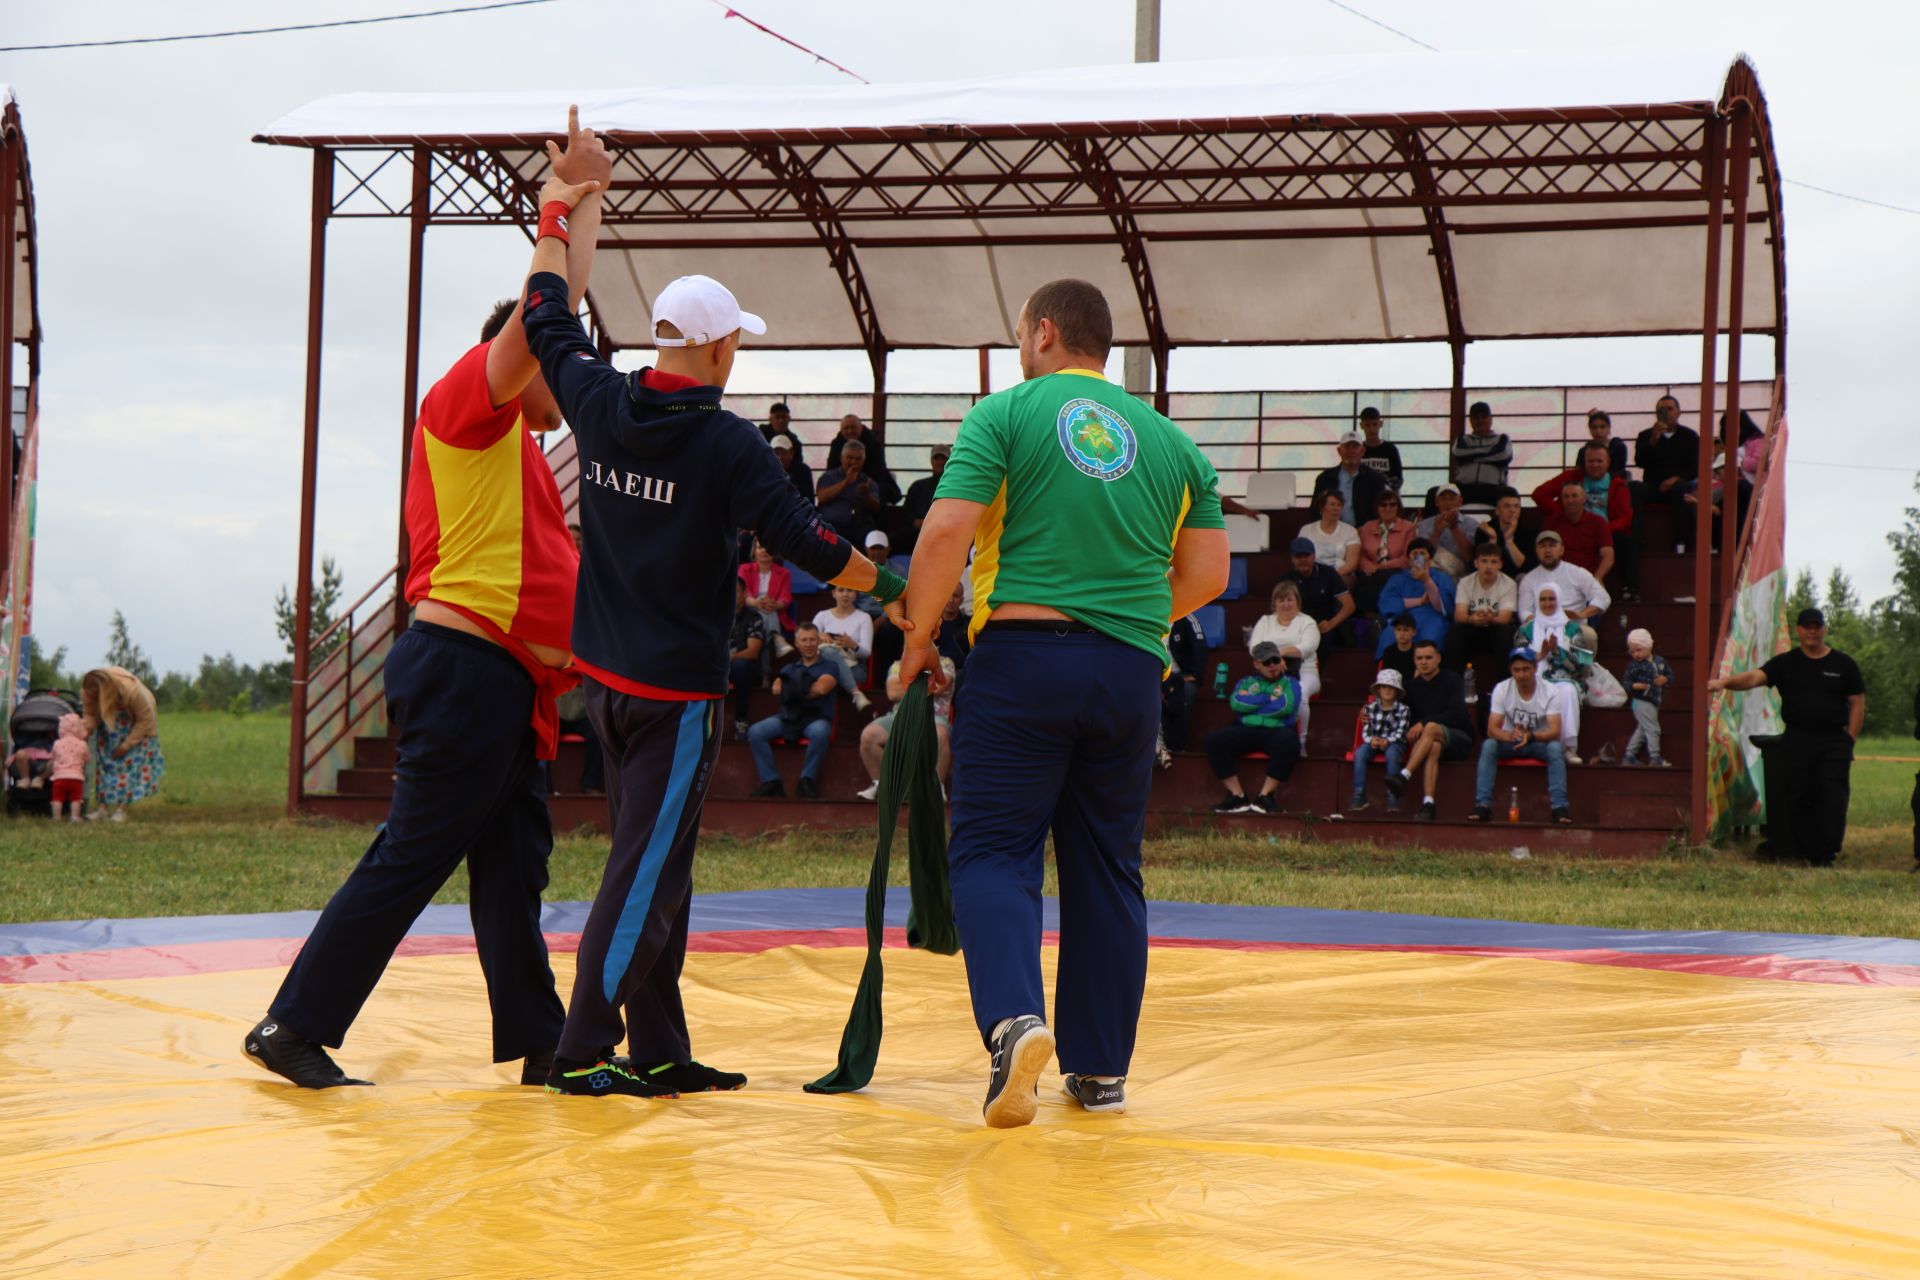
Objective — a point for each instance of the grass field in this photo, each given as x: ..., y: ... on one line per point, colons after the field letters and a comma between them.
x: 215, y: 841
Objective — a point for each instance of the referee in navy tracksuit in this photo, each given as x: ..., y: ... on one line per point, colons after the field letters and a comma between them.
x: 668, y: 478
x: 1094, y: 521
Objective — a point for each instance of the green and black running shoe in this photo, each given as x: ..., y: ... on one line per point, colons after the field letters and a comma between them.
x: 686, y: 1077
x: 601, y: 1078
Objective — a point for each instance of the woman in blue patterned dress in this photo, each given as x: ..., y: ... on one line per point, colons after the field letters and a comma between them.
x: 121, y: 712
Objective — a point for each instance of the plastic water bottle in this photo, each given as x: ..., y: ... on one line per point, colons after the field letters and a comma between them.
x: 1220, y: 681
x: 1472, y: 688
x: 1513, y: 806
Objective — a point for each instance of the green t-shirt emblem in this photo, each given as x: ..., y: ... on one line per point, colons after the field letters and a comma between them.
x: 1097, y: 440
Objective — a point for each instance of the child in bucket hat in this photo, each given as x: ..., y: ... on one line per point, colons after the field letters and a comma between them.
x: 1384, y: 722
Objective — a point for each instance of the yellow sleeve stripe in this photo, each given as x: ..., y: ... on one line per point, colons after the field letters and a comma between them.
x: 986, y: 561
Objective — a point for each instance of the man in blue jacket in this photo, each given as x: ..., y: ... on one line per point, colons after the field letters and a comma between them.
x: 667, y: 478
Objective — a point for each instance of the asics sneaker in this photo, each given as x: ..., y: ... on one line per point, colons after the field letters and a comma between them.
x: 685, y: 1077
x: 1093, y: 1095
x: 285, y: 1053
x: 1020, y: 1053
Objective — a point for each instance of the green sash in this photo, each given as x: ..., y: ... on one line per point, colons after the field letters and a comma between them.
x: 909, y: 772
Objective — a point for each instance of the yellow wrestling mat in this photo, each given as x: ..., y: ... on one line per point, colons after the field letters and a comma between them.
x: 1321, y: 1114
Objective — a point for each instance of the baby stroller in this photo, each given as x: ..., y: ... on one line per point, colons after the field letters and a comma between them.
x: 34, y: 726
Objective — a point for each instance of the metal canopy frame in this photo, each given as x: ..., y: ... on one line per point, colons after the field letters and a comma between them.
x: 18, y: 238
x: 846, y: 191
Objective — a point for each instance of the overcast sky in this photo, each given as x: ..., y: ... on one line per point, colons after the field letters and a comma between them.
x: 173, y: 252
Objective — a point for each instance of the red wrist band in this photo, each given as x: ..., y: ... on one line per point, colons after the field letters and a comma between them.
x: 553, y: 220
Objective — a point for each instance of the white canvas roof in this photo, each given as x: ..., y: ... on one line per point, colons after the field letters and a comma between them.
x: 24, y: 317
x: 1308, y: 200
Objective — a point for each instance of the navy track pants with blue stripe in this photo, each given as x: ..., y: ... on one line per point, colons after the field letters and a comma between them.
x: 659, y: 760
x: 1055, y: 732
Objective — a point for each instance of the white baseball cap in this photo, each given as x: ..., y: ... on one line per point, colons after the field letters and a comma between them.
x: 782, y: 441
x: 878, y: 538
x: 1353, y: 437
x: 703, y: 310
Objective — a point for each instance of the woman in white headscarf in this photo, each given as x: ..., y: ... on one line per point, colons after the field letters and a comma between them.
x: 1564, y: 663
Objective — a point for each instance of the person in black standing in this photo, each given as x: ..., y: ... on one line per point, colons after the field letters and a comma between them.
x: 1381, y: 455
x: 1823, y: 700
x: 1668, y: 456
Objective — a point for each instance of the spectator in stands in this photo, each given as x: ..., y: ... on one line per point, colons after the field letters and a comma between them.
x: 1265, y: 705
x: 1379, y: 454
x: 888, y: 641
x: 128, y: 766
x: 1336, y: 543
x: 1384, y: 721
x: 953, y: 642
x: 1297, y: 637
x: 1564, y: 655
x: 799, y: 474
x: 873, y: 738
x: 1481, y: 457
x: 1422, y: 590
x: 1600, y: 432
x: 1504, y: 531
x: 805, y: 688
x: 1323, y: 596
x: 1584, y: 536
x: 770, y: 590
x: 849, y: 498
x: 1647, y: 678
x: 920, y: 492
x: 1398, y: 656
x: 1441, y: 730
x: 1523, y: 722
x: 1668, y: 456
x: 1579, y: 592
x: 1187, y: 665
x: 1359, y: 486
x: 1751, y: 445
x: 847, y: 642
x: 1383, y: 551
x: 1450, y: 530
x: 1484, y: 605
x: 779, y: 422
x: 852, y: 429
x: 744, y: 648
x: 1606, y: 496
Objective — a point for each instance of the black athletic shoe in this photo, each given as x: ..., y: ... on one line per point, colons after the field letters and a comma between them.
x: 776, y: 789
x: 601, y: 1078
x: 685, y: 1077
x: 1094, y: 1096
x: 1231, y: 803
x: 295, y: 1057
x: 1428, y: 811
x: 1481, y: 813
x: 1360, y: 804
x: 1020, y: 1054
x: 535, y: 1069
x: 1396, y: 783
x: 1268, y: 804
x: 1563, y: 817
x: 809, y: 789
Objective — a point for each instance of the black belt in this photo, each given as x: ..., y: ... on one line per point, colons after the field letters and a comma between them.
x: 1053, y: 626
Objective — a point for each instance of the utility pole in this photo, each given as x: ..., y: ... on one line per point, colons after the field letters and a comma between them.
x: 1138, y: 362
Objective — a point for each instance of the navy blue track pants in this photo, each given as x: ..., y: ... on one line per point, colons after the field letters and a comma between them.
x: 659, y: 761
x: 1055, y: 732
x: 466, y: 786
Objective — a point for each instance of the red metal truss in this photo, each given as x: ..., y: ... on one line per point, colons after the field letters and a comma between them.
x: 1093, y: 162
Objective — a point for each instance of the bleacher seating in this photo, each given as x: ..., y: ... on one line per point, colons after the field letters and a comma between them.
x: 1236, y: 581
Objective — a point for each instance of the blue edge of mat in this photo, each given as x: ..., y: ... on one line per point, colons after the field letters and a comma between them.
x: 780, y: 909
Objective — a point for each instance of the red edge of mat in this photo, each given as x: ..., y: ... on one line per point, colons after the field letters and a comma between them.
x: 269, y: 953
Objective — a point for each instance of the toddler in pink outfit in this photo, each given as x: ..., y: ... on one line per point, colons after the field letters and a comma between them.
x: 70, y: 755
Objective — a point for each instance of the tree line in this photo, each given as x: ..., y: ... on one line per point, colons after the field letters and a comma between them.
x: 221, y: 684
